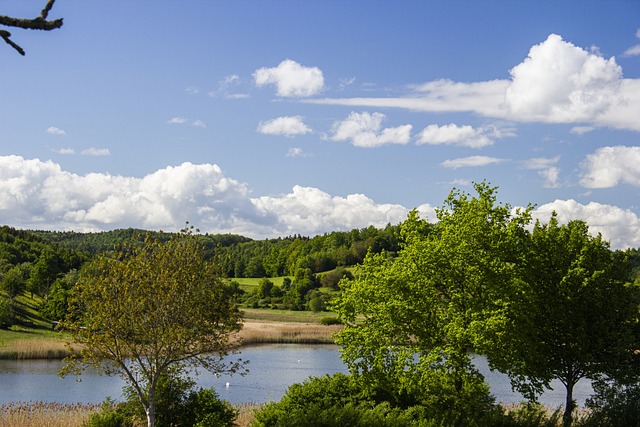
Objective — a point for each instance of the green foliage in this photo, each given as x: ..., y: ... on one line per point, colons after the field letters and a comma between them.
x: 330, y: 321
x: 419, y: 310
x: 560, y: 322
x: 332, y: 279
x: 343, y: 400
x: 14, y: 282
x: 181, y: 405
x: 108, y: 416
x: 151, y: 310
x: 6, y: 312
x: 614, y: 404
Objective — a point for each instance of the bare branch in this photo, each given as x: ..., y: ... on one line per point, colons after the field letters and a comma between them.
x: 39, y: 23
x: 5, y: 35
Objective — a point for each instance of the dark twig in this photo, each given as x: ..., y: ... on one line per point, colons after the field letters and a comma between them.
x: 39, y: 23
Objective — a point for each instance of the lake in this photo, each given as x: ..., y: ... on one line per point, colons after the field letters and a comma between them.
x: 273, y: 368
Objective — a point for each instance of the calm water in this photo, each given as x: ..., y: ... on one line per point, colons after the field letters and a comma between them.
x: 273, y: 368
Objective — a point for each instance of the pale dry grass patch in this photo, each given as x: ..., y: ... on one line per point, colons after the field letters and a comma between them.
x: 246, y: 413
x: 41, y: 414
x: 41, y: 348
x: 262, y: 332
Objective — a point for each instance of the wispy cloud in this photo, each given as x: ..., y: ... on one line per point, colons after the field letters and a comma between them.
x: 472, y: 161
x: 52, y: 130
x: 297, y: 152
x: 177, y: 120
x: 92, y: 151
x: 633, y: 50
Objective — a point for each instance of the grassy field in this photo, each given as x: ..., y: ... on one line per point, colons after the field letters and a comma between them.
x: 249, y: 284
x: 33, y: 336
x: 273, y: 315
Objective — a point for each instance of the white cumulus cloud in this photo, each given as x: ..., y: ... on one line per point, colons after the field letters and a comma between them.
x: 306, y: 210
x: 287, y: 126
x: 558, y: 82
x: 38, y: 194
x: 621, y: 227
x: 610, y: 166
x: 471, y: 161
x: 464, y: 136
x: 291, y: 79
x: 365, y: 130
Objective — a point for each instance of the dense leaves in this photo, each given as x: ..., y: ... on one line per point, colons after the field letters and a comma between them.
x: 153, y: 310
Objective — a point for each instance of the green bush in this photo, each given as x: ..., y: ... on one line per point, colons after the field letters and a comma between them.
x: 613, y: 405
x: 330, y: 321
x: 179, y: 404
x: 343, y: 400
x: 108, y: 417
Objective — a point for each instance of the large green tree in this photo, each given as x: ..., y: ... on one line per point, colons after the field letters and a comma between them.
x: 417, y: 313
x: 570, y: 317
x: 152, y: 310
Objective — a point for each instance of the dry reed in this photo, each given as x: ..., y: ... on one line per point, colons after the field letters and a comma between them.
x: 40, y: 348
x: 42, y: 414
x: 263, y: 332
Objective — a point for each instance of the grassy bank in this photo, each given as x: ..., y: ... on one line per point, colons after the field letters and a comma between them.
x: 36, y: 340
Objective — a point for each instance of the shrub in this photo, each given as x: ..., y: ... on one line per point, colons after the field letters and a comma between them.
x: 108, y: 417
x: 330, y: 321
x: 180, y: 405
x: 614, y: 405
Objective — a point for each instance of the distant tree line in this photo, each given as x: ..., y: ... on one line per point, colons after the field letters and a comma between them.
x: 240, y: 256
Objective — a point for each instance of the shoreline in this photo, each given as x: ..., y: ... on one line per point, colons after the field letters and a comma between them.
x: 253, y: 332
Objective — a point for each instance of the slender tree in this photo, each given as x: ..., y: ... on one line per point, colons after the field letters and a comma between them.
x: 152, y: 310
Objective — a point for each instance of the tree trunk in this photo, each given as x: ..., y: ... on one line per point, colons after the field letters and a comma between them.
x: 151, y: 409
x: 567, y: 418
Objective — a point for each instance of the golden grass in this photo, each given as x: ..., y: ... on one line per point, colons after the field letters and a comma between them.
x: 40, y: 414
x: 246, y: 413
x: 35, y: 348
x: 263, y: 332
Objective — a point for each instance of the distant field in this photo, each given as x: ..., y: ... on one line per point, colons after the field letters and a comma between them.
x: 248, y: 284
x: 285, y: 315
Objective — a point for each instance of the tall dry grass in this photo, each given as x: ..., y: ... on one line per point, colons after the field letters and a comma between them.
x: 40, y: 348
x: 263, y: 332
x: 41, y: 414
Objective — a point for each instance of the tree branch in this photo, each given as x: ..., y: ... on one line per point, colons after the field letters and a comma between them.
x: 39, y: 23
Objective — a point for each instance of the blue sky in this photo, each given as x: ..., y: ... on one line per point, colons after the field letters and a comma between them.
x: 271, y: 118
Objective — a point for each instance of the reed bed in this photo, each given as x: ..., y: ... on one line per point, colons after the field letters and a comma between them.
x: 43, y: 414
x: 246, y: 413
x: 35, y: 348
x: 264, y: 332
